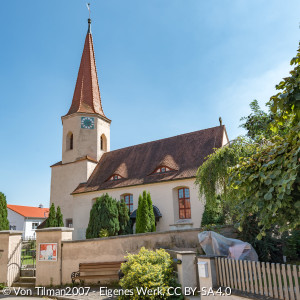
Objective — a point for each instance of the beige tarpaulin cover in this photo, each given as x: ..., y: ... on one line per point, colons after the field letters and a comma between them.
x: 216, y: 244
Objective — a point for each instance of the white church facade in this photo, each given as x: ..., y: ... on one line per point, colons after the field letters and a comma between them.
x: 88, y: 169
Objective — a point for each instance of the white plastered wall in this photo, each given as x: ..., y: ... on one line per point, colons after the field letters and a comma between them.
x: 64, y: 180
x: 163, y: 196
x: 85, y: 141
x: 15, y: 219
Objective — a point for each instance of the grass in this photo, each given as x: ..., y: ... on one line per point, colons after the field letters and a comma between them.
x: 28, y: 257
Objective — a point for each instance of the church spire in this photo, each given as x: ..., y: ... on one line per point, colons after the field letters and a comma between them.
x: 86, y: 98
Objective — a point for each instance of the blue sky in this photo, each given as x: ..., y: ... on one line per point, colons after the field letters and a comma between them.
x: 165, y: 67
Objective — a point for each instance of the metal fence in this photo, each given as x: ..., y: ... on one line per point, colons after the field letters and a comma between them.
x: 279, y: 281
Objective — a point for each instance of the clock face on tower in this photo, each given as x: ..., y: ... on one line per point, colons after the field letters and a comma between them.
x: 87, y: 123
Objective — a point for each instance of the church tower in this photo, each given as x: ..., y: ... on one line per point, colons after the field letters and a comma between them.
x: 86, y: 134
x: 86, y: 129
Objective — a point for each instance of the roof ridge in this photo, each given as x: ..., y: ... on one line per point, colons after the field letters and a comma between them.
x: 183, y: 134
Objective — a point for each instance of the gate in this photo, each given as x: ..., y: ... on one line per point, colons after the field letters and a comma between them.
x: 28, y: 258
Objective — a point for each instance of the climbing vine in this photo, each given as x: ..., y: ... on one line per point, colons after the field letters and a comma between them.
x: 213, y: 175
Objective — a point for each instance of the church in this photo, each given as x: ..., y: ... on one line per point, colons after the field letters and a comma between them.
x: 166, y: 168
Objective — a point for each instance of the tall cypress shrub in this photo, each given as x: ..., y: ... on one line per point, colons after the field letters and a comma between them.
x: 51, y: 221
x: 4, y: 224
x: 151, y: 213
x: 104, y: 215
x: 142, y: 215
x: 138, y: 221
x: 123, y: 217
x: 59, y: 218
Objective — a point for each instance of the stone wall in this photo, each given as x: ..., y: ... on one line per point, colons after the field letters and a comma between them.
x: 116, y: 248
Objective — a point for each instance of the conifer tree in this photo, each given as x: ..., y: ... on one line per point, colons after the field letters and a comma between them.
x: 151, y: 213
x: 51, y: 221
x: 138, y: 220
x: 142, y: 215
x: 123, y: 217
x: 4, y: 224
x: 104, y: 215
x: 59, y: 218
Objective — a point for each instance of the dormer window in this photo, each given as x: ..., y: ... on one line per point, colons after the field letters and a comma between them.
x: 161, y: 170
x: 115, y: 177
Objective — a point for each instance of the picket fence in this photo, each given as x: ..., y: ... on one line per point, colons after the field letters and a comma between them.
x: 279, y: 281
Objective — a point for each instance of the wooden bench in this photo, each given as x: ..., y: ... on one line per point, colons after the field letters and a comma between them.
x: 101, y: 270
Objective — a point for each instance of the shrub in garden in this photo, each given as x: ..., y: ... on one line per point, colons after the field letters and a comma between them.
x: 148, y: 269
x: 59, y: 218
x: 145, y: 219
x: 51, y: 221
x: 123, y: 217
x: 104, y: 215
x: 4, y: 224
x: 151, y: 213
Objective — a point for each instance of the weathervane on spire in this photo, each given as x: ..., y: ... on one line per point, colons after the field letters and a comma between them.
x: 89, y: 19
x: 88, y: 7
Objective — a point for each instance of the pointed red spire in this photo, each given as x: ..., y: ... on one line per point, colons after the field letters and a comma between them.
x: 86, y: 98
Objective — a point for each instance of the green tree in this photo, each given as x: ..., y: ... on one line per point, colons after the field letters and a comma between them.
x: 264, y: 181
x: 151, y: 213
x: 4, y: 224
x: 59, y: 218
x: 104, y: 215
x: 257, y: 123
x: 123, y: 212
x: 52, y: 221
x: 142, y: 215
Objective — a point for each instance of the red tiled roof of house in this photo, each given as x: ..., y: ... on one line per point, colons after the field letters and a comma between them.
x: 29, y: 211
x: 86, y: 98
x: 183, y: 153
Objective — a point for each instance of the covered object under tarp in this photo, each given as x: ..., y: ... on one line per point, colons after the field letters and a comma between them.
x: 216, y: 244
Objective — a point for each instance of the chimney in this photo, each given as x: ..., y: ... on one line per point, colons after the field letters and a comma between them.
x: 220, y: 120
x: 41, y: 206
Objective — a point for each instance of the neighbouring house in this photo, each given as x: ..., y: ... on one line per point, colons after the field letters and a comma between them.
x: 26, y: 218
x: 88, y: 169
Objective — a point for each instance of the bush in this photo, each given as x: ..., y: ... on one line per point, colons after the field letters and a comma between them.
x: 291, y: 245
x: 151, y: 213
x: 104, y: 215
x: 51, y: 221
x: 212, y: 216
x: 103, y: 233
x: 145, y: 219
x: 4, y: 224
x: 147, y: 269
x: 124, y: 218
x: 269, y: 248
x: 59, y: 218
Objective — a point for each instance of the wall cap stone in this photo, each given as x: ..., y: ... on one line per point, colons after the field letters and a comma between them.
x: 65, y: 229
x: 137, y: 235
x: 11, y: 232
x: 185, y: 252
x: 210, y: 256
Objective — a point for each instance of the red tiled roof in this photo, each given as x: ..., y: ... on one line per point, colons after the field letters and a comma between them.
x: 29, y: 211
x: 86, y: 98
x: 183, y: 153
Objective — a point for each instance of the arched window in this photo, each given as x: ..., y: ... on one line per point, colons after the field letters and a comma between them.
x: 128, y: 198
x: 184, y: 203
x: 70, y: 141
x: 103, y: 142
